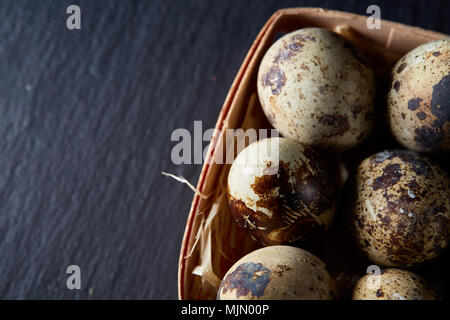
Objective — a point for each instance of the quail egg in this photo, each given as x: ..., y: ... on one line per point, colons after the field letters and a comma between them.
x: 280, y: 190
x: 278, y: 273
x: 419, y: 98
x: 400, y: 210
x: 393, y: 284
x: 317, y: 88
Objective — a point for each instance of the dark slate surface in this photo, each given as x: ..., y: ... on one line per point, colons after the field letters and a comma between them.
x: 85, y: 124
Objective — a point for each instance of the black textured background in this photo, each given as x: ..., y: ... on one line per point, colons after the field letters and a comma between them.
x: 85, y: 124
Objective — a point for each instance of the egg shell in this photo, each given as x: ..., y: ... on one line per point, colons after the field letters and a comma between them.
x: 393, y: 284
x: 419, y: 98
x: 275, y: 273
x: 317, y: 88
x: 280, y: 190
x: 400, y: 208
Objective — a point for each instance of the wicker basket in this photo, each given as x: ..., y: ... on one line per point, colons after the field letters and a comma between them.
x: 212, y: 241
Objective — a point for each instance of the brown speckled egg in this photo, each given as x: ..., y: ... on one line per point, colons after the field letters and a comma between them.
x: 419, y: 98
x: 400, y: 211
x: 278, y: 273
x: 393, y: 284
x: 280, y: 190
x: 316, y: 88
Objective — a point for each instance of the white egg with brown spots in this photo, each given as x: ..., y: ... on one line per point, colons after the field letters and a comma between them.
x: 315, y: 87
x: 419, y: 98
x: 393, y: 284
x: 399, y: 208
x: 278, y: 273
x: 280, y: 190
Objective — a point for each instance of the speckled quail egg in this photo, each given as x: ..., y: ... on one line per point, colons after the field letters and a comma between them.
x: 316, y: 87
x: 400, y: 211
x: 393, y: 284
x: 276, y: 273
x: 419, y: 98
x: 280, y: 190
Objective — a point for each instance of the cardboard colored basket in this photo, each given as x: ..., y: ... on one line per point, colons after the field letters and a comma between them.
x: 212, y: 241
